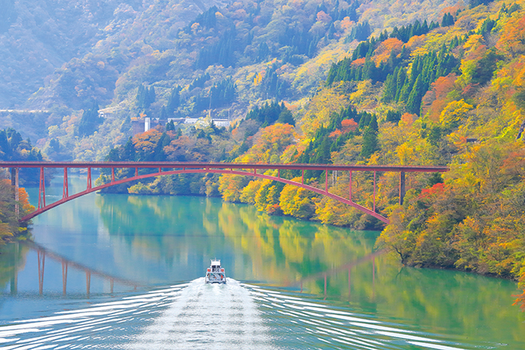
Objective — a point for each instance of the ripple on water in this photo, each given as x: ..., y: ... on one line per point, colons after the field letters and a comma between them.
x: 196, y: 315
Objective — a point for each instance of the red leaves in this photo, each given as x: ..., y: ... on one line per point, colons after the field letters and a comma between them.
x: 438, y: 188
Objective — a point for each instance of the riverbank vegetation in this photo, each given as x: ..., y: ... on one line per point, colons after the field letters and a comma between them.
x: 9, y: 226
x: 14, y: 148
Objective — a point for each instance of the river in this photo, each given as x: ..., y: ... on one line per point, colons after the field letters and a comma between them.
x: 126, y: 272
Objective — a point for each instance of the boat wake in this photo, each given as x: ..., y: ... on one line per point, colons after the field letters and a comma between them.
x: 192, y: 315
x: 218, y: 316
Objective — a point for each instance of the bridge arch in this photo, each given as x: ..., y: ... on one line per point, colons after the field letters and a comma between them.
x: 90, y: 189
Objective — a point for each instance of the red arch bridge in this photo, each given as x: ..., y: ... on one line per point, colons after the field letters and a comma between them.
x: 172, y: 168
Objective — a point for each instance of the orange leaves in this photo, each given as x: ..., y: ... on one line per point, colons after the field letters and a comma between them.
x: 451, y: 9
x: 407, y: 119
x: 271, y: 142
x: 520, y: 301
x: 346, y: 23
x: 348, y: 125
x: 146, y: 141
x: 384, y: 49
x: 323, y: 17
x: 443, y: 85
x: 512, y: 40
x: 335, y: 134
x: 521, y: 298
x: 436, y: 99
x: 24, y: 200
x: 359, y: 62
x: 514, y: 163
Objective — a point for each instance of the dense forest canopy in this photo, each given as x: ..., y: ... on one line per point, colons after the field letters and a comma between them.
x: 304, y: 81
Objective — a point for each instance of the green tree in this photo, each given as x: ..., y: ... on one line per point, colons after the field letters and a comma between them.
x: 370, y: 144
x: 89, y: 121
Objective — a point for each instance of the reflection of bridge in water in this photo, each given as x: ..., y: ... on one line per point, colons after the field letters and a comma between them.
x: 42, y: 253
x: 333, y: 271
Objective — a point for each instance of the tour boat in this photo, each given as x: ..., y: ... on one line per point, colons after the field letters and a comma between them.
x: 215, y: 273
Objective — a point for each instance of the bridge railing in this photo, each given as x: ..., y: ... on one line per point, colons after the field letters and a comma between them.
x: 246, y: 169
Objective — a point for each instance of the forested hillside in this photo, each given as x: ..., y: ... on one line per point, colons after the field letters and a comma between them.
x: 446, y: 90
x: 346, y: 82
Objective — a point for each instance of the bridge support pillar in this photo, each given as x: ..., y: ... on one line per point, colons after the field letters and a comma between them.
x: 375, y: 173
x: 89, y: 178
x: 15, y: 183
x: 401, y: 187
x: 42, y: 190
x: 350, y: 187
x: 65, y: 186
x: 326, y: 181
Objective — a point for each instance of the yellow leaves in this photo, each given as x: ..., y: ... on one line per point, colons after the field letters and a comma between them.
x: 405, y: 154
x: 473, y: 42
x: 415, y: 44
x: 321, y: 106
x: 5, y: 230
x: 231, y: 186
x: 363, y: 92
x: 195, y: 27
x: 258, y: 78
x: 249, y: 192
x: 297, y: 201
x: 453, y: 113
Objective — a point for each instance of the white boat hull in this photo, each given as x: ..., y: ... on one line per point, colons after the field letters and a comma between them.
x: 215, y: 277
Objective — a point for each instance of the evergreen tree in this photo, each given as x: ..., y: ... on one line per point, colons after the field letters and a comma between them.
x: 89, y: 121
x: 370, y: 144
x: 285, y: 117
x: 448, y: 20
x: 389, y: 88
x: 141, y: 96
x: 173, y: 101
x: 163, y: 113
x: 170, y: 125
x: 150, y: 97
x: 414, y: 99
x: 393, y: 116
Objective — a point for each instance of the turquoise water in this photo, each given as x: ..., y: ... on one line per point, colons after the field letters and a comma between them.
x: 134, y: 281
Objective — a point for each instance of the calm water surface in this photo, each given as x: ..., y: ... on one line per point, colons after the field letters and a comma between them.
x: 118, y: 271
